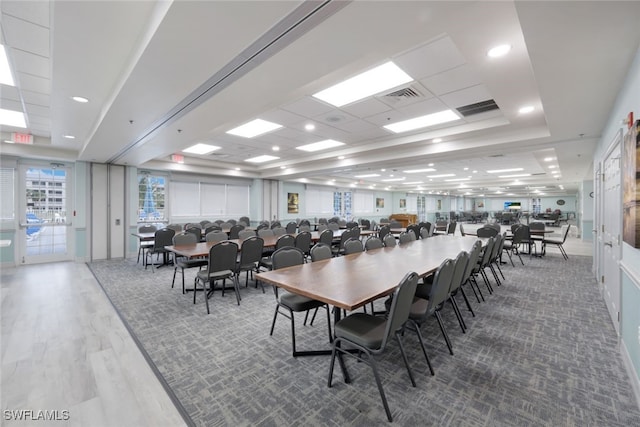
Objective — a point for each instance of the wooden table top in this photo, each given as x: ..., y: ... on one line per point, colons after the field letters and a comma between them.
x: 351, y: 281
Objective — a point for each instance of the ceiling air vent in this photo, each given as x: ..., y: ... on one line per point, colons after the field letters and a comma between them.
x: 478, y: 107
x: 406, y: 92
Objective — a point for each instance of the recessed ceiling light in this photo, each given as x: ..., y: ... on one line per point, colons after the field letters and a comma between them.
x: 436, y: 140
x: 382, y: 170
x: 393, y: 179
x: 430, y: 164
x: 514, y: 176
x: 322, y: 145
x: 283, y: 167
x: 309, y: 126
x: 201, y: 149
x: 420, y: 170
x: 554, y: 172
x: 412, y: 183
x: 376, y: 80
x: 549, y: 159
x: 444, y: 175
x: 261, y: 159
x: 12, y: 118
x: 526, y: 109
x: 340, y: 157
x: 275, y: 148
x: 457, y: 179
x: 69, y: 136
x: 498, y: 51
x: 423, y: 121
x: 475, y: 171
x: 505, y: 170
x: 552, y: 166
x: 466, y: 169
x: 254, y: 128
x: 6, y: 78
x: 8, y: 141
x: 237, y: 169
x: 80, y: 99
x: 369, y: 175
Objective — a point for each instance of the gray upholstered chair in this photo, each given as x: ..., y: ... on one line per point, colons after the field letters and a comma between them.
x: 246, y: 234
x: 370, y: 334
x: 161, y: 239
x: 183, y: 262
x: 250, y: 256
x: 290, y: 302
x: 389, y: 240
x: 558, y: 243
x: 291, y: 227
x: 326, y: 237
x: 145, y: 244
x: 373, y: 242
x: 303, y: 242
x: 320, y: 251
x: 216, y: 236
x: 221, y: 266
x: 353, y: 246
x: 234, y: 230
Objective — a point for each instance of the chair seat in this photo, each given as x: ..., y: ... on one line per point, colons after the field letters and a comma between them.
x: 423, y: 290
x: 215, y: 275
x: 298, y: 303
x: 418, y: 308
x: 244, y: 267
x: 191, y: 263
x: 362, y: 329
x: 553, y: 242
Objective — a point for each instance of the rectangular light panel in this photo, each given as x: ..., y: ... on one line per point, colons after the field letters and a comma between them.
x: 420, y: 170
x: 254, y: 128
x: 201, y: 149
x: 376, y: 80
x: 12, y: 118
x: 261, y: 159
x: 423, y: 121
x: 6, y: 78
x: 322, y: 145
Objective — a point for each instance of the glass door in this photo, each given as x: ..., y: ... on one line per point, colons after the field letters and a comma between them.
x: 45, y: 221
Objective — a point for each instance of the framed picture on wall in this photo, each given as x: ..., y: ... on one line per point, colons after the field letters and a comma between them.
x: 379, y: 202
x: 631, y: 186
x: 403, y: 203
x: 292, y: 203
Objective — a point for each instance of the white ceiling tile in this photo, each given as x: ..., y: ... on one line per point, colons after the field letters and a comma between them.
x: 10, y: 92
x: 366, y: 108
x: 466, y: 96
x: 10, y: 104
x: 308, y: 107
x: 30, y: 11
x: 32, y: 64
x: 36, y: 98
x: 423, y: 108
x: 451, y: 80
x: 354, y: 125
x: 26, y: 36
x: 430, y: 59
x: 34, y: 83
x: 38, y: 110
x: 282, y: 117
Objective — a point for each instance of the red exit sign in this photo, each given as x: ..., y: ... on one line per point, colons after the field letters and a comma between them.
x: 22, y: 138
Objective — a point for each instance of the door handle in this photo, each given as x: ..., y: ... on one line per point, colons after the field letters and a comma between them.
x: 608, y: 244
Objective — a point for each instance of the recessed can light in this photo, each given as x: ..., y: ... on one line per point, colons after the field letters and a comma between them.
x: 80, y: 99
x: 498, y: 51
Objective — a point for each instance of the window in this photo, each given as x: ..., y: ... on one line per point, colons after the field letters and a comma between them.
x: 319, y: 202
x: 151, y: 197
x: 207, y: 200
x: 363, y: 203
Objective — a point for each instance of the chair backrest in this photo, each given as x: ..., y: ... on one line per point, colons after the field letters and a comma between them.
x: 263, y: 226
x: 343, y: 238
x: 175, y: 227
x: 373, y: 242
x: 216, y: 236
x: 424, y: 232
x: 291, y: 227
x: 522, y: 234
x: 226, y: 225
x: 486, y: 232
x: 474, y: 255
x: 163, y: 238
x: 276, y: 224
x: 265, y: 232
x: 184, y: 239
x: 488, y: 251
x: 460, y: 267
x: 147, y: 228
x: 366, y: 224
x: 462, y: 230
x: 303, y: 241
x: 415, y: 228
x: 285, y: 240
x: 351, y: 224
x: 352, y: 246
x: 222, y: 256
x: 405, y: 237
x: 211, y: 228
x: 322, y: 227
x: 192, y: 225
x: 251, y: 250
x: 497, y: 247
x: 451, y: 228
x: 218, y: 221
x: 235, y: 229
x: 537, y: 225
x: 384, y: 220
x: 384, y: 230
x: 246, y: 220
x: 395, y: 224
x: 389, y: 240
x: 320, y: 251
x: 246, y: 234
x: 333, y: 226
x: 279, y: 231
x: 304, y: 227
x: 326, y: 237
x: 322, y: 221
x: 204, y: 223
x: 441, y: 284
x: 196, y: 231
x: 287, y: 257
x: 304, y: 222
x: 400, y: 306
x: 495, y: 226
x: 355, y: 232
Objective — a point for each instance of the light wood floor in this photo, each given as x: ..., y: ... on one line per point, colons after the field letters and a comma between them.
x: 64, y: 348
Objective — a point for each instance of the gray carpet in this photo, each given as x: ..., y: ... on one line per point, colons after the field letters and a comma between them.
x: 541, y: 351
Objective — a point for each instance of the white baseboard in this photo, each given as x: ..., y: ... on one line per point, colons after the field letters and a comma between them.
x: 631, y: 371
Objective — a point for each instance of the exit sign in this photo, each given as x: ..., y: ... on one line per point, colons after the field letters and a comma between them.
x: 22, y: 138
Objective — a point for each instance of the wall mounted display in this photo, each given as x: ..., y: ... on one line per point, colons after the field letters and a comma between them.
x: 403, y: 203
x: 631, y: 186
x: 292, y: 203
x: 379, y: 202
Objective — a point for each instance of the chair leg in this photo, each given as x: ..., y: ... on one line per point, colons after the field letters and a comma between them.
x: 273, y: 323
x: 473, y: 281
x: 293, y: 335
x: 379, y: 383
x: 467, y: 301
x: 329, y: 323
x: 183, y: 291
x: 175, y: 270
x: 456, y: 310
x: 404, y: 357
x: 236, y: 287
x: 497, y: 264
x: 204, y: 291
x: 486, y: 281
x: 424, y: 350
x: 444, y: 331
